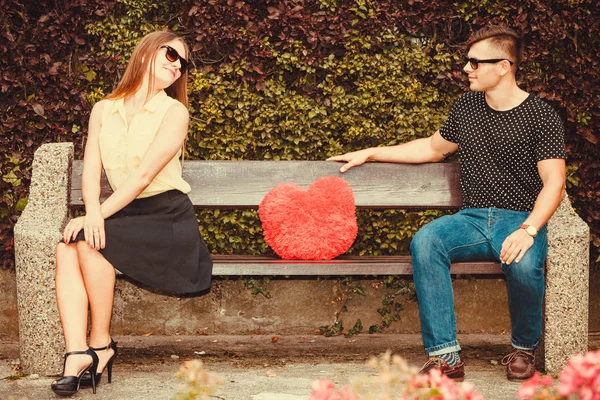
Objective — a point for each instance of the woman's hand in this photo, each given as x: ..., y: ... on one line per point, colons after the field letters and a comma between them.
x: 93, y: 230
x: 72, y: 229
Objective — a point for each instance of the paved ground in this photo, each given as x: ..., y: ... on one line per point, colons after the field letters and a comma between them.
x: 259, y: 367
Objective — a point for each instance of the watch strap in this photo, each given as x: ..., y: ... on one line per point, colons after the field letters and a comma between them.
x: 527, y: 229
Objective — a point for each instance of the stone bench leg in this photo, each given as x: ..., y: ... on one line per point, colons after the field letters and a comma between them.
x: 567, y: 288
x: 37, y: 233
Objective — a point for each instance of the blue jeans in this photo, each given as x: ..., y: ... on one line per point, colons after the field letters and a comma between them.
x: 476, y: 234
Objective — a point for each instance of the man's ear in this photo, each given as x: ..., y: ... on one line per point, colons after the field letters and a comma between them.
x: 505, y: 68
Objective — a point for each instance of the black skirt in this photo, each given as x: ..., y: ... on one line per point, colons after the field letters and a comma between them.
x: 155, y: 241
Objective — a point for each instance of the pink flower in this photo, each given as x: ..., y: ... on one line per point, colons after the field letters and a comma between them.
x: 436, y: 386
x: 322, y: 389
x: 530, y: 387
x: 468, y: 392
x: 581, y: 376
x: 526, y: 391
x: 346, y: 394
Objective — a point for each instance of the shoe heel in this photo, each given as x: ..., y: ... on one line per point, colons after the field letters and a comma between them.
x: 93, y: 368
x: 109, y: 370
x: 93, y: 376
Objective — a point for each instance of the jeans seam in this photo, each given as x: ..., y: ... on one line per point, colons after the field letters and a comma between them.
x: 496, y: 250
x: 467, y: 245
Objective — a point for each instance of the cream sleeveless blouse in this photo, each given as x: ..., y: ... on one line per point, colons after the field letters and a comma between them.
x: 122, y: 147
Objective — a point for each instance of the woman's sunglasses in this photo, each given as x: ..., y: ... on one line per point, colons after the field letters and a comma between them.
x: 172, y: 55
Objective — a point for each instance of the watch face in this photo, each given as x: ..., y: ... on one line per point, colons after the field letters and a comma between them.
x: 531, y: 230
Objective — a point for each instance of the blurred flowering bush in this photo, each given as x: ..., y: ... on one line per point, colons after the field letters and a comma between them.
x: 197, y: 381
x: 396, y: 381
x: 579, y: 380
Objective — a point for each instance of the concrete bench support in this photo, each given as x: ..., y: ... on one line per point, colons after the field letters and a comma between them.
x: 37, y: 233
x: 567, y: 287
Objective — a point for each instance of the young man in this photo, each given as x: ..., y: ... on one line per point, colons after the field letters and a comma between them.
x: 512, y: 157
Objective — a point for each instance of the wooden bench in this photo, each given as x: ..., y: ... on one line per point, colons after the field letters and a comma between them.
x: 243, y: 184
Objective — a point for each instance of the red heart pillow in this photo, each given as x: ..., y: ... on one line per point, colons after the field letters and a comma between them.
x: 314, y: 224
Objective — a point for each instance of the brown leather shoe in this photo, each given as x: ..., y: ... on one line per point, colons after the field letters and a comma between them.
x: 520, y: 365
x: 457, y: 372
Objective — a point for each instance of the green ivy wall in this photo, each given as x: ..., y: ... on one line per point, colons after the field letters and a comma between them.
x: 289, y: 80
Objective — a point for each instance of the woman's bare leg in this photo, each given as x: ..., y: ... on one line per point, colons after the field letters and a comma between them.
x: 99, y: 279
x: 72, y: 300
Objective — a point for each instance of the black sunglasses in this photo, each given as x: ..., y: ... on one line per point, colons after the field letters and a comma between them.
x: 475, y: 62
x: 172, y: 55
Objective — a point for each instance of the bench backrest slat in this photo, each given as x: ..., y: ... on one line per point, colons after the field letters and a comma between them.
x: 243, y: 184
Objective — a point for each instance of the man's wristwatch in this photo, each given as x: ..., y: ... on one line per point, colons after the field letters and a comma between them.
x: 530, y: 229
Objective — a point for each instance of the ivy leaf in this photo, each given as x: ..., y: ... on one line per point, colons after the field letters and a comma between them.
x: 54, y: 69
x: 38, y: 108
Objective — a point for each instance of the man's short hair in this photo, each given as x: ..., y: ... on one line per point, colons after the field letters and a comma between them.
x: 502, y: 37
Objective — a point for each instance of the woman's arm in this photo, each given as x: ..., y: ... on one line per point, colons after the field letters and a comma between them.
x: 92, y: 223
x: 169, y: 139
x: 92, y: 163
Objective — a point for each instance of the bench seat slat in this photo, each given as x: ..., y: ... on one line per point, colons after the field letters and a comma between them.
x: 241, y: 265
x: 243, y: 184
x: 225, y: 265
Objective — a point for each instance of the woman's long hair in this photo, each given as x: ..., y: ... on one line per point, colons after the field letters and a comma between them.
x: 142, y: 59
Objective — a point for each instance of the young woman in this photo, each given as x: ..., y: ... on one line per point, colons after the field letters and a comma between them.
x: 147, y: 228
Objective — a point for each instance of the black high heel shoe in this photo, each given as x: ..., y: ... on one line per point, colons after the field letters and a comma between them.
x: 69, y: 385
x: 86, y: 379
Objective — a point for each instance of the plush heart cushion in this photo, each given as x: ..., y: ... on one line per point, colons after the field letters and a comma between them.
x: 314, y: 224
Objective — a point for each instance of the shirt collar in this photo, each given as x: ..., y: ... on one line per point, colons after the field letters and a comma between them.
x: 151, y: 105
x: 155, y: 101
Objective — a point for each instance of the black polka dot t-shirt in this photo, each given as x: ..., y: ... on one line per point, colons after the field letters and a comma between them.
x: 499, y: 150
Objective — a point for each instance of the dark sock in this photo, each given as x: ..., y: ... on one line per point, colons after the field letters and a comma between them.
x: 451, y: 358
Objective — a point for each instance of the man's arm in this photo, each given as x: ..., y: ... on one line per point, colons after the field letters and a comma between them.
x: 431, y: 149
x: 553, y: 175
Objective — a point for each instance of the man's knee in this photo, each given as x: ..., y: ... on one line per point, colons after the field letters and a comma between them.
x: 526, y: 271
x: 416, y: 243
x: 423, y: 240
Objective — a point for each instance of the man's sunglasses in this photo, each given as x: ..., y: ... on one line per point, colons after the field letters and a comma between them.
x: 172, y: 55
x: 475, y: 62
